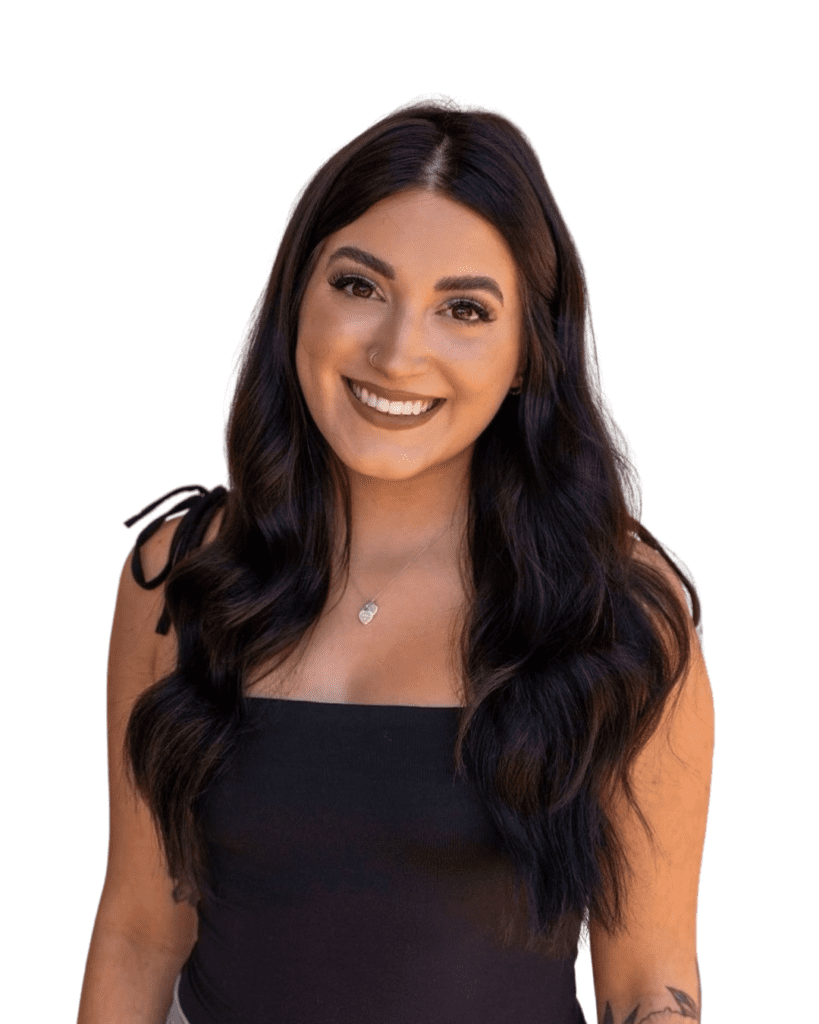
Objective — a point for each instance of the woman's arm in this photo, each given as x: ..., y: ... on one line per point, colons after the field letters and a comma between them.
x: 649, y: 973
x: 141, y: 936
x: 126, y: 981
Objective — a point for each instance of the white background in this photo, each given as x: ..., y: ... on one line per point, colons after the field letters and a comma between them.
x: 153, y: 154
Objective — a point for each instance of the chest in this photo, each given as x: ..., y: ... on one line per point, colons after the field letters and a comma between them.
x: 404, y: 655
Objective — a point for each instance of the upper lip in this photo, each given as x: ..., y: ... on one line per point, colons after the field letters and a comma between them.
x: 393, y: 396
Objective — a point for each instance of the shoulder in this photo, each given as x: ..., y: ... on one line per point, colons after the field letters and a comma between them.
x: 166, y: 540
x: 693, y: 703
x: 140, y: 612
x: 646, y: 555
x: 156, y: 551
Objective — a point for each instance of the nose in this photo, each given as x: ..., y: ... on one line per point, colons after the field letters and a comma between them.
x: 402, y: 343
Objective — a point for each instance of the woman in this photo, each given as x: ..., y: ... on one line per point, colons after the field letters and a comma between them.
x: 418, y: 695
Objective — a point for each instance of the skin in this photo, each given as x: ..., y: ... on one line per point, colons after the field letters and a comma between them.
x: 406, y: 486
x: 684, y: 1008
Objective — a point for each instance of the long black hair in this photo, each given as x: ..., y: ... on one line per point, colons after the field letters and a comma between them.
x: 571, y: 645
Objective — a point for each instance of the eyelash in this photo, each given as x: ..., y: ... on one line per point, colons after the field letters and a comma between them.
x: 342, y: 281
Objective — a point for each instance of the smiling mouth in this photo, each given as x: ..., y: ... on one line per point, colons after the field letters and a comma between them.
x: 398, y: 409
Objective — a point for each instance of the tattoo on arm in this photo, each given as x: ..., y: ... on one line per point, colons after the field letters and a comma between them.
x: 686, y: 1008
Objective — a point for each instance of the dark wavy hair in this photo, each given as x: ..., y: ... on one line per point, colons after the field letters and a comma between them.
x: 571, y: 646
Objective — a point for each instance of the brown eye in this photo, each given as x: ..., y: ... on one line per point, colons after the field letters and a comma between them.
x: 470, y: 307
x: 469, y: 311
x: 357, y: 285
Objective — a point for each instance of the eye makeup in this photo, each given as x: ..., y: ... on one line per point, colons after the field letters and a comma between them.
x: 343, y: 280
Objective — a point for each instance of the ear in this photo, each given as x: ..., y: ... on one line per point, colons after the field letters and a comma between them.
x: 521, y: 370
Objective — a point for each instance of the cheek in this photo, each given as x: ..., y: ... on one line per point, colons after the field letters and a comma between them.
x: 313, y: 330
x: 478, y: 379
x: 482, y: 377
x: 325, y: 333
x: 323, y: 349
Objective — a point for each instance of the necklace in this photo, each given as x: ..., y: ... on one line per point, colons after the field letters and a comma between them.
x: 367, y: 612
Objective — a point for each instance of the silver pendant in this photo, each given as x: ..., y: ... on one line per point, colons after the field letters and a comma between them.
x: 367, y: 613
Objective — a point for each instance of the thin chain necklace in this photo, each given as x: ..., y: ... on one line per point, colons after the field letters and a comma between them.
x: 367, y: 612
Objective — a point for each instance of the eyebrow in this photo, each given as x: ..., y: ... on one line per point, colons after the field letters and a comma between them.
x: 445, y: 284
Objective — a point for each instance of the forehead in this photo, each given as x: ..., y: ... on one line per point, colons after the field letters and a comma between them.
x: 426, y: 234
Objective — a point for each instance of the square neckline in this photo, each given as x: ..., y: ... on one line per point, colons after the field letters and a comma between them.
x: 349, y: 704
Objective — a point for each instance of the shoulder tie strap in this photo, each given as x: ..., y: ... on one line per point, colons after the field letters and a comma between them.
x: 189, y: 534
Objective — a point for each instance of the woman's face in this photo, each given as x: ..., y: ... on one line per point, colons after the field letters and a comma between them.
x: 428, y: 289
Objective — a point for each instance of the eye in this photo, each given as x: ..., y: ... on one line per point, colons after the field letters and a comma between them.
x: 344, y: 281
x: 470, y: 306
x: 469, y: 311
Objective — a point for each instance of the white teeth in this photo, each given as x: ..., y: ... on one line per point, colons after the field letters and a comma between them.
x: 392, y: 408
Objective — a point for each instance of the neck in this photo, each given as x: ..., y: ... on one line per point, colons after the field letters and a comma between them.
x: 392, y: 520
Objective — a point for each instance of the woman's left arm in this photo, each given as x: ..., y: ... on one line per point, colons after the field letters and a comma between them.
x: 649, y: 971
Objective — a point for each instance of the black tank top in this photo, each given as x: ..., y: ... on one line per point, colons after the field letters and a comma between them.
x: 357, y: 880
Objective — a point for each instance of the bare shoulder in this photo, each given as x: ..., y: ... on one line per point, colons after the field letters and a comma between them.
x: 647, y: 555
x: 694, y: 701
x: 154, y: 555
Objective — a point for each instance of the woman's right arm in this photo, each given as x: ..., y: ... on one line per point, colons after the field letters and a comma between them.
x: 141, y: 936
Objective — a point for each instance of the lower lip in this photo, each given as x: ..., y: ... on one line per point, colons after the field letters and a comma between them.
x: 384, y: 419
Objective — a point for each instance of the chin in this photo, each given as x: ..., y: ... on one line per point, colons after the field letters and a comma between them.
x: 392, y: 469
x: 387, y: 462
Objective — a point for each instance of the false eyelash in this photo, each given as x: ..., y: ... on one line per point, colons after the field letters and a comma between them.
x: 341, y: 280
x: 483, y: 314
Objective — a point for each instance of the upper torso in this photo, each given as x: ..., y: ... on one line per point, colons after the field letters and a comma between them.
x: 405, y: 655
x: 357, y: 878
